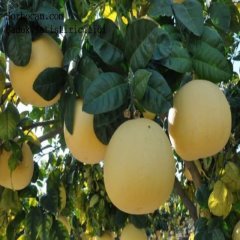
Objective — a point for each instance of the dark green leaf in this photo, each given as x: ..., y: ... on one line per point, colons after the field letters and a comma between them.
x: 158, y: 95
x: 87, y: 72
x: 217, y: 234
x: 143, y: 39
x: 69, y: 109
x: 15, y: 157
x: 190, y: 14
x: 106, y: 93
x: 209, y: 63
x: 160, y: 8
x: 179, y: 59
x: 33, y: 222
x: 58, y: 231
x: 19, y: 43
x: 49, y: 82
x: 73, y: 47
x: 105, y: 124
x: 9, y: 200
x: 45, y: 227
x: 140, y: 82
x: 52, y: 20
x: 140, y: 221
x: 15, y: 225
x: 202, y: 195
x: 8, y: 122
x: 105, y: 38
x: 220, y: 15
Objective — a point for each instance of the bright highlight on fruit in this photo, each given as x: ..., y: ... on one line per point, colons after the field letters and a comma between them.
x: 200, y: 120
x: 22, y: 175
x: 130, y: 232
x: 45, y: 54
x: 139, y: 169
x: 83, y: 143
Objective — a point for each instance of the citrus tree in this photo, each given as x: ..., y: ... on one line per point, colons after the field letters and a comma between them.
x: 119, y: 119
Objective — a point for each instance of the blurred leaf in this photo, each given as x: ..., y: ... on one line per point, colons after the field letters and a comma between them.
x: 160, y: 8
x: 202, y: 195
x: 220, y: 15
x: 50, y: 82
x: 179, y: 59
x: 19, y: 43
x: 58, y: 231
x: 190, y: 14
x: 158, y: 95
x: 9, y: 119
x: 15, y: 157
x: 106, y: 93
x: 140, y: 83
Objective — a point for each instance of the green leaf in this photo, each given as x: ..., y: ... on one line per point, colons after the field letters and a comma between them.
x: 69, y: 109
x: 179, y: 59
x: 33, y: 222
x: 94, y: 200
x: 73, y: 47
x: 105, y: 38
x: 217, y: 234
x: 220, y: 15
x: 9, y: 200
x: 8, y: 122
x: 190, y: 14
x: 45, y: 226
x: 159, y: 8
x: 202, y: 195
x: 209, y: 63
x: 14, y: 225
x: 140, y: 82
x: 52, y: 20
x: 106, y: 93
x: 87, y: 72
x: 158, y: 95
x: 16, y: 156
x: 49, y: 82
x: 140, y: 221
x: 105, y: 124
x: 58, y: 231
x: 143, y: 39
x: 19, y: 43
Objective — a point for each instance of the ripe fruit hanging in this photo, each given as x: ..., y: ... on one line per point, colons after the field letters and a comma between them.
x: 236, y: 232
x: 105, y: 236
x: 45, y: 54
x: 22, y: 175
x: 200, y: 120
x: 83, y: 143
x: 130, y: 232
x: 139, y: 168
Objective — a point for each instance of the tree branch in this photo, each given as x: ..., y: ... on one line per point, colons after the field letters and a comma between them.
x: 186, y: 201
x: 40, y: 124
x: 194, y: 172
x: 50, y: 134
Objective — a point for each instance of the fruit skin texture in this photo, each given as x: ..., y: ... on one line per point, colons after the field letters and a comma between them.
x: 236, y: 232
x: 22, y: 175
x: 45, y: 53
x: 200, y: 121
x: 130, y: 232
x: 83, y: 143
x: 139, y: 169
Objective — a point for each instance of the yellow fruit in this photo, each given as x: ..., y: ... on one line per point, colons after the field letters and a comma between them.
x: 83, y: 143
x: 139, y: 169
x: 105, y: 236
x: 45, y: 54
x: 149, y: 115
x: 200, y: 120
x: 130, y: 232
x: 231, y: 177
x: 220, y: 200
x: 236, y: 232
x: 22, y: 175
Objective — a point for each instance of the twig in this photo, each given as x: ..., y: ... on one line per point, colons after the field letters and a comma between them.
x: 195, y: 174
x: 50, y: 134
x: 186, y: 201
x: 40, y: 124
